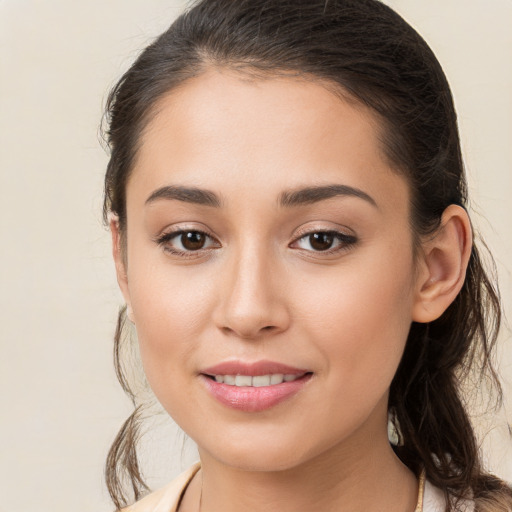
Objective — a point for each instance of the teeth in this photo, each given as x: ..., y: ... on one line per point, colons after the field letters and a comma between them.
x: 255, y: 381
x: 243, y: 380
x: 261, y: 380
x: 277, y: 378
x: 228, y: 379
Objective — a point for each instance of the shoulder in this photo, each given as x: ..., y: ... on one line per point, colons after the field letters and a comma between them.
x: 167, y: 498
x: 434, y: 501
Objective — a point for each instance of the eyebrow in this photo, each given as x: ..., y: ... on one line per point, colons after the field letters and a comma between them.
x: 312, y: 195
x: 302, y: 196
x: 186, y: 194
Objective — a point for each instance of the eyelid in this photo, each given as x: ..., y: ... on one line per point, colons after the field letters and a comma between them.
x: 309, y: 229
x: 345, y: 240
x: 168, y: 234
x: 183, y: 228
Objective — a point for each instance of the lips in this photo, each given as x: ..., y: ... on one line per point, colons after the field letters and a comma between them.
x: 254, y: 369
x: 253, y: 387
x: 256, y: 381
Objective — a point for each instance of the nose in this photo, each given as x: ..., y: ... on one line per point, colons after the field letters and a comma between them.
x: 253, y: 297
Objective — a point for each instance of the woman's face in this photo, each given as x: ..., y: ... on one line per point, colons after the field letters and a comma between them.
x: 267, y: 235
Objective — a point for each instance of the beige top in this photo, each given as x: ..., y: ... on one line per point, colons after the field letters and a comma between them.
x: 167, y: 498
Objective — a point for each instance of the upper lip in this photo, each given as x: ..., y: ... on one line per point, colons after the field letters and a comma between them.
x: 254, y: 369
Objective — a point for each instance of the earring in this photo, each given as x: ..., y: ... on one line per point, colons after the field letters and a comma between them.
x: 393, y: 433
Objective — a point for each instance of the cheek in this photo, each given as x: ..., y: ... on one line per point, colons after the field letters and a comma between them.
x: 360, y: 317
x: 171, y: 305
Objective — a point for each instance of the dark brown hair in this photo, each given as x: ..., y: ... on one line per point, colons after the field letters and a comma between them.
x: 369, y: 52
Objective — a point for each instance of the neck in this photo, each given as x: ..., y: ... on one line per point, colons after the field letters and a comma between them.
x: 351, y: 477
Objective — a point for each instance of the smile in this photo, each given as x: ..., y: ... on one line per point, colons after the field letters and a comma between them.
x: 253, y: 387
x: 256, y: 381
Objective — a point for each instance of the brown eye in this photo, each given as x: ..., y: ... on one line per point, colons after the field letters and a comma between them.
x: 185, y: 242
x: 321, y: 241
x: 193, y: 240
x: 325, y: 241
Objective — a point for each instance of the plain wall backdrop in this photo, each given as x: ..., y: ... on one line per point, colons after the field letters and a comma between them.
x: 60, y: 403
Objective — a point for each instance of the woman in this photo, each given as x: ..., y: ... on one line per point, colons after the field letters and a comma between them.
x: 286, y: 197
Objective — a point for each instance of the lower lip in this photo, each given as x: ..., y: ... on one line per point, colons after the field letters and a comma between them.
x: 253, y: 399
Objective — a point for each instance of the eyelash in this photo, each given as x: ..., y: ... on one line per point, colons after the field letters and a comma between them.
x: 345, y: 242
x: 165, y: 239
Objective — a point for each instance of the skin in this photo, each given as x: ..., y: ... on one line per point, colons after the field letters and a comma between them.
x: 259, y: 289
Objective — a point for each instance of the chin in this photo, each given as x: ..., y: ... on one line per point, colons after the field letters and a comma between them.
x: 260, y: 460
x: 267, y: 453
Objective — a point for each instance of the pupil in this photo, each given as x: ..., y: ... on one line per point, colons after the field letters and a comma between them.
x: 193, y: 240
x: 321, y: 241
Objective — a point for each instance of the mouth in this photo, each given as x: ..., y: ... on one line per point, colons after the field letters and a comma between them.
x: 256, y: 381
x: 253, y: 387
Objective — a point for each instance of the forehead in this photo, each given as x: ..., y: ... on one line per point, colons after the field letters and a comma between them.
x: 225, y: 131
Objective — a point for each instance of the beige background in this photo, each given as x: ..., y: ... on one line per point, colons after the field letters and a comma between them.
x: 60, y: 403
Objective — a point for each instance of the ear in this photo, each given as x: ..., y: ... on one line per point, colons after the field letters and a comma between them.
x: 120, y: 263
x: 443, y: 265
